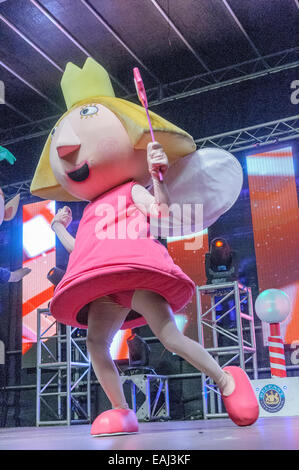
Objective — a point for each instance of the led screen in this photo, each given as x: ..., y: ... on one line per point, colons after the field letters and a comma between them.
x: 275, y: 221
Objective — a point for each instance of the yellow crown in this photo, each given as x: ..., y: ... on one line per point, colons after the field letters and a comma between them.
x: 80, y: 84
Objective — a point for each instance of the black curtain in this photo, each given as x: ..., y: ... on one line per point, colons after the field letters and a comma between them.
x: 11, y: 256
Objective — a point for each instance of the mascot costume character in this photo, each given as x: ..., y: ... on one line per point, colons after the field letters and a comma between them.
x: 101, y: 151
x: 8, y: 212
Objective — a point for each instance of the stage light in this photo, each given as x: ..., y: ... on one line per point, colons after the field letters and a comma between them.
x: 220, y: 263
x: 138, y: 351
x: 55, y: 275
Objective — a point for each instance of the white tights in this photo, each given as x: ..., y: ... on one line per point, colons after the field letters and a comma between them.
x: 105, y: 318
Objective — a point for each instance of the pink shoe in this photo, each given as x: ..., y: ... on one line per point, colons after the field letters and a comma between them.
x: 241, y: 405
x: 114, y: 422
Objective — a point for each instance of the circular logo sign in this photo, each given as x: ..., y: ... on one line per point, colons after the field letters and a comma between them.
x: 272, y: 398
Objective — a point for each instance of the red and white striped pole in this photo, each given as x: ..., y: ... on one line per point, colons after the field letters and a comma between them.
x: 276, y: 352
x: 273, y: 306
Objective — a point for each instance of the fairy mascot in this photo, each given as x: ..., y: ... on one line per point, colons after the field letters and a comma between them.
x: 101, y: 151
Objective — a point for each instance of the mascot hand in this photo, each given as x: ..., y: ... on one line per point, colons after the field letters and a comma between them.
x: 157, y: 159
x: 63, y: 216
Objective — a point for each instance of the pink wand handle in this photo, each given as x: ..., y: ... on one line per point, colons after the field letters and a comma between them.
x: 143, y: 99
x: 150, y: 125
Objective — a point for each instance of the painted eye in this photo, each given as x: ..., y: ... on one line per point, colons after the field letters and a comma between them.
x: 89, y: 110
x: 53, y: 132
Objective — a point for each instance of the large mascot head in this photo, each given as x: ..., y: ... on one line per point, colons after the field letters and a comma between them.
x: 100, y: 142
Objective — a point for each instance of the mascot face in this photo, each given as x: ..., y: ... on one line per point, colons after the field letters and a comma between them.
x: 91, y: 153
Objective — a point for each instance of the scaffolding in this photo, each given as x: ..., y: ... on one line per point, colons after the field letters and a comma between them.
x: 238, y: 341
x: 254, y: 136
x: 152, y: 402
x: 60, y: 389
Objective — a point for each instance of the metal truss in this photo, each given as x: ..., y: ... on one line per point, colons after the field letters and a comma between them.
x: 222, y: 77
x: 60, y: 389
x: 17, y: 111
x: 235, y: 348
x: 22, y: 188
x: 153, y: 393
x: 28, y: 131
x: 201, y: 83
x: 254, y: 136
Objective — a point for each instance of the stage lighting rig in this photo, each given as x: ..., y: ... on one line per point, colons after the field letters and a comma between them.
x: 221, y: 262
x: 139, y: 352
x: 55, y: 275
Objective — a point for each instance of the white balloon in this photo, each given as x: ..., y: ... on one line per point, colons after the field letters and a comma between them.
x: 272, y: 306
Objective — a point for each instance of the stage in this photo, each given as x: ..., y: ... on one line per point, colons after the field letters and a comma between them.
x: 278, y: 433
x: 209, y: 232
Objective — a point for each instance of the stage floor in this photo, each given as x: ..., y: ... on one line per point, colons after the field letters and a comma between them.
x: 277, y: 433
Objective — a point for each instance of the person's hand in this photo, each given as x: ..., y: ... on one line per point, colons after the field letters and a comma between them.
x: 63, y: 216
x: 17, y: 275
x: 157, y: 159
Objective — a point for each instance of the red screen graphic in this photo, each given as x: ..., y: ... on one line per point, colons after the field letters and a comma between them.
x: 275, y: 219
x: 39, y: 254
x: 192, y: 262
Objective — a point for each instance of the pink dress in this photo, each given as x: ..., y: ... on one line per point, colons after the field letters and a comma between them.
x: 113, y: 256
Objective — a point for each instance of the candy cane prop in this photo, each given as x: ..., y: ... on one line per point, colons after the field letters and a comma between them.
x: 276, y: 352
x: 273, y: 306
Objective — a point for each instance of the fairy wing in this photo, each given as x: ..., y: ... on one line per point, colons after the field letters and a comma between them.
x: 209, y: 177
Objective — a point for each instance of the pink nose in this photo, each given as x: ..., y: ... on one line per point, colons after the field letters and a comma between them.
x: 65, y: 150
